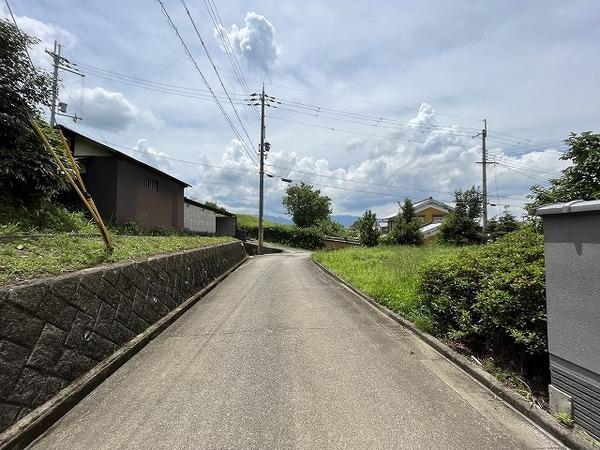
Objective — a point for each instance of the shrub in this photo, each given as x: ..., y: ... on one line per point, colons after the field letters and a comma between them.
x: 308, y: 238
x: 367, y: 229
x: 461, y: 226
x: 387, y: 239
x: 406, y: 228
x: 27, y: 172
x: 492, y: 296
x: 46, y: 217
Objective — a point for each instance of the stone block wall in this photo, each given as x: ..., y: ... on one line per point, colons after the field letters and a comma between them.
x: 54, y: 330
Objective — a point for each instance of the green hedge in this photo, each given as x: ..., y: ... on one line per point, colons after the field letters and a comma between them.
x: 290, y: 235
x: 491, y: 297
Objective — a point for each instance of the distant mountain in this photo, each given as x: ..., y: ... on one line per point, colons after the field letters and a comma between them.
x: 344, y: 219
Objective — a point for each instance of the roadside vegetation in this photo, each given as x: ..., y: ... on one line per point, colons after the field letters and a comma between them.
x: 311, y: 213
x: 481, y: 293
x: 54, y: 241
x: 389, y: 274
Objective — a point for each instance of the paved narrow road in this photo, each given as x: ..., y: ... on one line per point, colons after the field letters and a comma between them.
x: 281, y: 356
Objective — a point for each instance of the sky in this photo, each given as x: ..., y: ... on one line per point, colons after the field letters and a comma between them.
x: 379, y: 100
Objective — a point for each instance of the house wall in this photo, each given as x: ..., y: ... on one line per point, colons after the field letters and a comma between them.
x: 429, y: 214
x: 199, y: 219
x: 158, y: 207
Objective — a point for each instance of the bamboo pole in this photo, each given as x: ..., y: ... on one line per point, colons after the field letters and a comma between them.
x: 75, y: 168
x: 103, y: 231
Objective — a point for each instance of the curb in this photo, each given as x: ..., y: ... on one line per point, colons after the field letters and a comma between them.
x: 30, y: 427
x: 572, y: 438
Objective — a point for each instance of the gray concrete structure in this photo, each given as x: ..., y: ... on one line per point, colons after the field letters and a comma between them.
x: 280, y: 356
x: 198, y: 218
x: 572, y: 254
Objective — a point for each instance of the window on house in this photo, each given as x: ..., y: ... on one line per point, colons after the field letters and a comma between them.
x: 150, y: 183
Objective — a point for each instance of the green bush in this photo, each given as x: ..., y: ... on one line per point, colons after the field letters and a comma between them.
x: 46, y: 217
x: 387, y: 239
x: 367, y: 229
x: 308, y: 238
x: 491, y: 297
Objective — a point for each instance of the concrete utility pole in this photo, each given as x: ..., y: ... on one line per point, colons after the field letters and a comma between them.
x: 484, y: 173
x: 62, y: 63
x: 55, y: 61
x: 261, y: 202
x: 270, y: 101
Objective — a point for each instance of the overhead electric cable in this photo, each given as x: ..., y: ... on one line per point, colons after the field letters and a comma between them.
x: 193, y: 60
x: 189, y: 14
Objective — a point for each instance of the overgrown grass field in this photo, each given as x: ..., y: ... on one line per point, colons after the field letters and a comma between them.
x: 29, y: 257
x: 387, y: 273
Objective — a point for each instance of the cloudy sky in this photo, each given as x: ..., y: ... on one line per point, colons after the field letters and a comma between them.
x: 379, y: 100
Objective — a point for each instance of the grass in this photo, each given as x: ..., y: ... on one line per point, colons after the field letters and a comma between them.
x: 387, y: 273
x: 30, y: 257
x: 564, y: 419
x: 248, y: 220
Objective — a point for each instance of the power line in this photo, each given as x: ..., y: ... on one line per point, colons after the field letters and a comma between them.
x: 522, y: 173
x: 192, y: 59
x: 213, y: 12
x: 377, y: 119
x: 343, y: 131
x: 315, y: 174
x: 16, y: 25
x: 217, y: 72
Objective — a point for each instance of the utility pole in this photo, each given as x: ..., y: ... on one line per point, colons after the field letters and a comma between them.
x: 484, y: 164
x: 265, y: 100
x: 55, y: 61
x: 261, y: 201
x: 62, y: 63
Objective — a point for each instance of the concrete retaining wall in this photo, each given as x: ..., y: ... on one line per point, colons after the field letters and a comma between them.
x: 337, y: 243
x: 54, y: 330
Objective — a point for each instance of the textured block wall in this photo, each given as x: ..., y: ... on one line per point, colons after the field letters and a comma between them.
x: 54, y: 330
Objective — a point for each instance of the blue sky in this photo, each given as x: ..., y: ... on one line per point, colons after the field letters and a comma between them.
x: 431, y: 70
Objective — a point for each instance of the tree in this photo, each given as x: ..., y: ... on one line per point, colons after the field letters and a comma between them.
x: 581, y: 181
x: 407, y: 227
x: 330, y: 227
x: 367, y: 229
x: 306, y: 205
x: 506, y: 223
x: 215, y: 206
x: 28, y: 176
x: 461, y: 226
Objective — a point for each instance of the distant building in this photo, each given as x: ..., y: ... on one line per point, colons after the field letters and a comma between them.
x: 430, y: 211
x: 202, y: 218
x: 124, y: 188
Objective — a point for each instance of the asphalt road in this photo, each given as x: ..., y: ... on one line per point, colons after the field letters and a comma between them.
x: 281, y: 356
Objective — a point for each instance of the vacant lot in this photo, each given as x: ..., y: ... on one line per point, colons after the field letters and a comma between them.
x: 387, y: 273
x: 38, y: 255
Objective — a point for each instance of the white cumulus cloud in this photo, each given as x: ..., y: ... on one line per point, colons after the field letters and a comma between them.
x: 416, y: 162
x: 254, y: 43
x: 108, y: 110
x: 46, y: 32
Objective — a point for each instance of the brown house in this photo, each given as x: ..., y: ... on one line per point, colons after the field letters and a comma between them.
x: 124, y: 188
